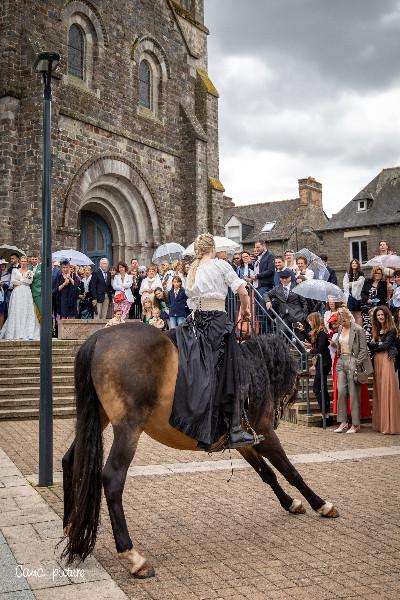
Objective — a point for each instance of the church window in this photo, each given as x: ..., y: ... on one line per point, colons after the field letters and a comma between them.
x: 145, y: 84
x: 76, y: 44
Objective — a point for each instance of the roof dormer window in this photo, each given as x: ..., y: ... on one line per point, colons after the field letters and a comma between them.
x: 362, y: 205
x: 268, y: 226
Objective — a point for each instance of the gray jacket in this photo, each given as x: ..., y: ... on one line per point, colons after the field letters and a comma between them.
x: 359, y: 350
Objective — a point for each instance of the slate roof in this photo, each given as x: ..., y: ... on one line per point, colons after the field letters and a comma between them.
x: 383, y: 196
x: 283, y: 212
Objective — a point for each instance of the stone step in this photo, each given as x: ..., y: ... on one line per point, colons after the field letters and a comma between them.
x: 16, y: 403
x: 12, y: 361
x: 36, y: 344
x: 30, y: 380
x: 19, y: 353
x: 34, y: 391
x: 34, y: 369
x: 33, y: 413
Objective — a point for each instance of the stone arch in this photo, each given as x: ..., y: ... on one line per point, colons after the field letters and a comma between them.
x: 149, y: 45
x: 113, y: 188
x: 86, y: 17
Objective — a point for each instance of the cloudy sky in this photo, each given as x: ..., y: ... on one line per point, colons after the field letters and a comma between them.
x: 308, y: 87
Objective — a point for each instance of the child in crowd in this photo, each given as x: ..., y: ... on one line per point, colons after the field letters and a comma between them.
x: 117, y: 320
x: 156, y: 320
x: 160, y: 302
x: 147, y: 311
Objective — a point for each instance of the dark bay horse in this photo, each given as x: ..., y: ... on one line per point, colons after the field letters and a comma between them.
x: 126, y: 375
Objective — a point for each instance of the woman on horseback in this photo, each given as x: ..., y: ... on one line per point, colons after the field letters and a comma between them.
x: 211, y: 386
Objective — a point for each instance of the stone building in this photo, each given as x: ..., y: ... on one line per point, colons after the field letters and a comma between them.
x: 372, y: 215
x: 135, y: 125
x: 283, y: 224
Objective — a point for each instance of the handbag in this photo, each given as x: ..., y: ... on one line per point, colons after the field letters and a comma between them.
x: 353, y: 304
x: 360, y: 376
x: 120, y: 297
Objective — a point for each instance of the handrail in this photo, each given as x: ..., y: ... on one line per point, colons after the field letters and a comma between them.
x: 257, y: 301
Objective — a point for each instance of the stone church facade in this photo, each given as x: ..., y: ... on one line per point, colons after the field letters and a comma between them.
x: 134, y: 126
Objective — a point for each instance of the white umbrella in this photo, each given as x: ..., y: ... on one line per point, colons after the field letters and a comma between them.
x: 318, y: 289
x: 315, y: 263
x: 6, y: 251
x: 167, y: 253
x: 74, y: 256
x: 387, y: 261
x: 222, y: 244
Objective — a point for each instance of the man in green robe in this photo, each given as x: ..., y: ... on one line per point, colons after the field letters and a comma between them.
x: 36, y: 286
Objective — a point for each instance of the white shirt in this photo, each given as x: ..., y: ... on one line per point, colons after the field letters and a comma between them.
x: 124, y: 286
x: 213, y: 277
x: 150, y: 284
x: 257, y: 268
x: 307, y: 273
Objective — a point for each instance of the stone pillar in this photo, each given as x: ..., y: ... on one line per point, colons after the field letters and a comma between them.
x: 9, y: 107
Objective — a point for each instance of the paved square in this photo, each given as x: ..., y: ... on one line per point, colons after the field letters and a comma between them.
x: 211, y: 539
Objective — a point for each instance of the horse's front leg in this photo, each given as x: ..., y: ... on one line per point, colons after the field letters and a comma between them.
x: 271, y: 449
x: 115, y: 470
x: 268, y: 476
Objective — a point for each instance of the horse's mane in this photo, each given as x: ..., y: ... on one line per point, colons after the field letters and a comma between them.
x: 271, y: 370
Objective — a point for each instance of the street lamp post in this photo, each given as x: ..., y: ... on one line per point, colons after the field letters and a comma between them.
x: 45, y: 64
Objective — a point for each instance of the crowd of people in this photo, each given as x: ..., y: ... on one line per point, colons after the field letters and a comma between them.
x: 353, y: 338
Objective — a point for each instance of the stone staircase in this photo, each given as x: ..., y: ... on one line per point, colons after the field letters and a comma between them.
x: 20, y: 379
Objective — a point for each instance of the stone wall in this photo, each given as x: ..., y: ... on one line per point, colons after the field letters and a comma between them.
x: 160, y: 162
x: 337, y: 244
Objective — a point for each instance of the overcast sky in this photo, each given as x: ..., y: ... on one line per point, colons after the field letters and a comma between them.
x: 307, y: 87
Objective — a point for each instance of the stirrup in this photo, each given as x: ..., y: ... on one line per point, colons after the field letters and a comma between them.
x: 241, y: 438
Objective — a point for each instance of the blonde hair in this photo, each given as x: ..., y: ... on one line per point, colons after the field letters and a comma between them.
x: 203, y: 244
x: 344, y: 314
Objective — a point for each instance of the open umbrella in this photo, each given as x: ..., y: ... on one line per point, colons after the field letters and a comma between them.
x: 315, y: 263
x: 222, y: 244
x: 318, y: 289
x: 6, y: 251
x: 167, y: 253
x: 387, y: 261
x: 74, y: 256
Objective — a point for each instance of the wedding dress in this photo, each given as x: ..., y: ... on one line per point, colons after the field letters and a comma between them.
x: 22, y: 323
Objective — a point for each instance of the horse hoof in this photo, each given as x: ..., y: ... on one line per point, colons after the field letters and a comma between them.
x: 145, y: 572
x: 328, y: 511
x: 332, y: 514
x: 297, y: 508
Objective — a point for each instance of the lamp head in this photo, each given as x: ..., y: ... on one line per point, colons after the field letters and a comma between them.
x: 46, y: 62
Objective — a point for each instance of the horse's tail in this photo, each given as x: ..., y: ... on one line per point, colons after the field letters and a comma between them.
x: 88, y: 460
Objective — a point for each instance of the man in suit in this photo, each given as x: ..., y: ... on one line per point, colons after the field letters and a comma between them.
x: 14, y: 263
x: 291, y: 307
x: 332, y: 272
x: 279, y: 267
x: 100, y: 289
x: 263, y: 276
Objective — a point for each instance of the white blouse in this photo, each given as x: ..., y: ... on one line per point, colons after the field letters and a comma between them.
x: 124, y: 286
x: 213, y: 277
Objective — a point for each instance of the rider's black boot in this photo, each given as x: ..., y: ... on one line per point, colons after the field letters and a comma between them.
x: 238, y: 437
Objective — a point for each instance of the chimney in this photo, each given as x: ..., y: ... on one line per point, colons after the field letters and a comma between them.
x: 310, y: 192
x: 228, y: 202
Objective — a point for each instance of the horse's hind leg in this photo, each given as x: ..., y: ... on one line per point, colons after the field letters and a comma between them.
x: 271, y: 449
x: 268, y: 476
x: 122, y: 451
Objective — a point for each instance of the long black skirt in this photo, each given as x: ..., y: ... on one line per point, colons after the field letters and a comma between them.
x: 211, y: 383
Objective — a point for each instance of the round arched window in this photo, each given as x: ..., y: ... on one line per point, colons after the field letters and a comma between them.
x: 145, y: 84
x: 76, y: 50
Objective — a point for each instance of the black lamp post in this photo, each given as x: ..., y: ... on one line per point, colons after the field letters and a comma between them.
x: 46, y: 63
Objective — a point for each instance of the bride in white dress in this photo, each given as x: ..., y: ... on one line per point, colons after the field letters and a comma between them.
x: 22, y: 322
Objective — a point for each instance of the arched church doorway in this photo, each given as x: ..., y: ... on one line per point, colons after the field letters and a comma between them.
x: 96, y: 239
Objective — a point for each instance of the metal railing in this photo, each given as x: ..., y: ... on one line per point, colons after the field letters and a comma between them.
x: 268, y: 321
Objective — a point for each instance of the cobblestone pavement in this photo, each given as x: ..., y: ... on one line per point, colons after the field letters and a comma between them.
x: 211, y: 539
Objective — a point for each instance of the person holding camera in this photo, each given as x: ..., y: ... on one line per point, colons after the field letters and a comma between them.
x: 66, y: 292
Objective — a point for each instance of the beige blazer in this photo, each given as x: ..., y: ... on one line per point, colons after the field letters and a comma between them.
x: 358, y: 346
